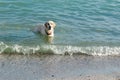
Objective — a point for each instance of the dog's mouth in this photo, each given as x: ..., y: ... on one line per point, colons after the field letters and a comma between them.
x: 48, y: 32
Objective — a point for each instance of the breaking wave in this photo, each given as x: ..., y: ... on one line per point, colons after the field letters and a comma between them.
x: 57, y: 49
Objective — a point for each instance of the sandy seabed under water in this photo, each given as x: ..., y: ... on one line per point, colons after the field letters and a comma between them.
x: 59, y: 67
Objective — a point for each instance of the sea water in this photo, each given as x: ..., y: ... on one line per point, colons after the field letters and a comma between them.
x: 89, y: 27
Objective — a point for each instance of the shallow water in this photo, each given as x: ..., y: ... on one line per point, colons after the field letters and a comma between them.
x: 90, y: 27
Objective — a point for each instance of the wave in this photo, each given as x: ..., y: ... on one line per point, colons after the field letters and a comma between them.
x: 57, y: 49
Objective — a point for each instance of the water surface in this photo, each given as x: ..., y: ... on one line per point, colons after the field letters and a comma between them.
x: 91, y: 27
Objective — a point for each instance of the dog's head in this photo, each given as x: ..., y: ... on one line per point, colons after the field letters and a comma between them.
x: 49, y: 28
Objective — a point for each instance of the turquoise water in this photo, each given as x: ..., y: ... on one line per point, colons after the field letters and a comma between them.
x: 83, y: 26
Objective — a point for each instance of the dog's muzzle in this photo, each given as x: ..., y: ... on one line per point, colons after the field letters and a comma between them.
x: 48, y: 33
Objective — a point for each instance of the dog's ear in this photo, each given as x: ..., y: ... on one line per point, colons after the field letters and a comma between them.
x: 54, y: 24
x: 46, y: 24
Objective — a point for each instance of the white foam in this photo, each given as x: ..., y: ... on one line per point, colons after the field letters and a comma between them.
x: 2, y: 47
x: 90, y: 50
x: 25, y: 49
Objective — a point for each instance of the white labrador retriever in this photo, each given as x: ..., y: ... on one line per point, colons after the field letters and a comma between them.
x: 46, y: 29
